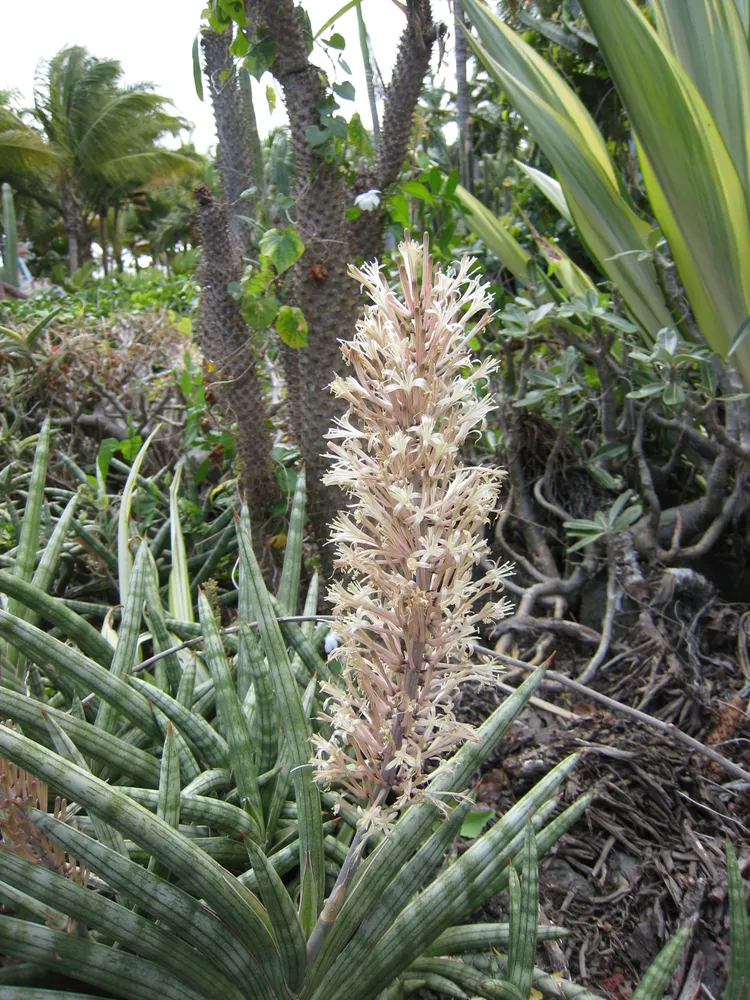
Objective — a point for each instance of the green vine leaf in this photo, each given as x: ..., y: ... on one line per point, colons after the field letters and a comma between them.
x: 344, y: 90
x: 291, y: 326
x: 282, y: 247
x: 259, y: 313
x: 316, y: 136
x: 240, y: 46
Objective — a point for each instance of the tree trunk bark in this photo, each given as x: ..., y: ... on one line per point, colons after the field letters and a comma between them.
x: 116, y: 248
x: 228, y: 350
x: 234, y: 157
x: 11, y: 292
x: 103, y: 243
x: 73, y: 222
x: 253, y: 138
x: 329, y: 299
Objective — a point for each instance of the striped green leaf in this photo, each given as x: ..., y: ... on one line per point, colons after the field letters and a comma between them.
x: 30, y: 526
x: 492, y: 231
x: 231, y: 717
x: 189, y: 768
x: 168, y: 796
x: 196, y: 870
x: 313, y: 662
x: 67, y: 749
x: 180, y: 601
x: 692, y: 181
x: 451, y: 777
x: 407, y: 883
x: 604, y: 218
x: 176, y: 910
x: 36, y: 993
x: 40, y: 605
x: 288, y: 593
x: 710, y: 43
x: 549, y: 187
x: 482, y: 937
x: 121, y: 757
x: 224, y: 817
x: 738, y: 983
x: 266, y: 709
x: 50, y: 560
x: 291, y: 715
x: 311, y: 605
x: 127, y: 637
x: 186, y: 687
x: 204, y: 741
x: 444, y: 901
x: 163, y: 642
x: 226, y: 537
x: 524, y: 906
x: 95, y: 911
x: 287, y: 928
x: 29, y: 539
x: 471, y: 982
x: 217, y: 779
x: 42, y: 648
x: 658, y: 974
x: 548, y: 985
x: 124, y: 557
x: 126, y: 975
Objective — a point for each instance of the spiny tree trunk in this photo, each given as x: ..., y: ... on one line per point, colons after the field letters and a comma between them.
x: 463, y: 107
x: 329, y: 299
x: 253, y: 137
x: 233, y: 119
x: 228, y: 349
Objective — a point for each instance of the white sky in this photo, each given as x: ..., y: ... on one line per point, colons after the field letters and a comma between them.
x: 153, y: 40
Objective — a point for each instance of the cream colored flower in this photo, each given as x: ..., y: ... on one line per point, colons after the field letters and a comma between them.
x: 368, y: 201
x: 410, y: 545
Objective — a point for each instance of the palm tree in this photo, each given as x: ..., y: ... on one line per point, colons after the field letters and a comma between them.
x: 89, y: 142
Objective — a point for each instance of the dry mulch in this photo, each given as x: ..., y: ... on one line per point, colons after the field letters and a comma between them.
x: 649, y: 854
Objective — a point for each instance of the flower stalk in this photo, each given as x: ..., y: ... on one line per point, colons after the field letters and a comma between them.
x: 409, y: 546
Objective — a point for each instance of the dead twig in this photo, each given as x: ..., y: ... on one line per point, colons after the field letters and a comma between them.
x: 613, y: 596
x: 559, y: 626
x: 617, y: 706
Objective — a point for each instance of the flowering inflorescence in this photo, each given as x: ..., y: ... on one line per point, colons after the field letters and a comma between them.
x: 410, y: 543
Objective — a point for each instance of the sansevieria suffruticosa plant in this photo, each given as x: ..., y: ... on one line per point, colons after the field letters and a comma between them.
x: 197, y: 855
x: 684, y: 80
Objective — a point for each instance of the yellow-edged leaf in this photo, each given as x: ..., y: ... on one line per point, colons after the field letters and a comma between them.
x: 691, y: 177
x: 614, y: 235
x: 549, y: 187
x: 490, y: 229
x: 708, y: 39
x: 574, y: 280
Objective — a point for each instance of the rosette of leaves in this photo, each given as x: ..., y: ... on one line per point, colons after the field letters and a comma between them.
x: 208, y: 852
